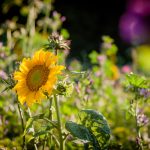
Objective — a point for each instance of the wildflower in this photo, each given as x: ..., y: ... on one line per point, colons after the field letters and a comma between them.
x: 3, y: 74
x: 36, y: 76
x: 144, y: 92
x: 2, y: 55
x: 126, y: 69
x: 1, y: 44
x: 142, y: 120
x: 57, y: 42
x: 101, y: 59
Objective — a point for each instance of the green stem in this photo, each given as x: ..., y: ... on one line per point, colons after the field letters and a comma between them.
x: 50, y: 115
x: 137, y: 126
x: 45, y: 138
x: 59, y: 122
x: 35, y: 146
x: 50, y: 120
x: 56, y: 52
x: 22, y: 123
x: 50, y: 109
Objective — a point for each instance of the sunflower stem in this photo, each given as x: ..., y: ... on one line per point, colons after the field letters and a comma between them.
x: 56, y: 52
x: 32, y: 127
x: 59, y: 122
x: 22, y: 123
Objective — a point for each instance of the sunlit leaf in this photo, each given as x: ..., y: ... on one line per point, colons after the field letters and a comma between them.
x: 30, y: 122
x: 97, y: 125
x: 136, y: 81
x: 78, y: 131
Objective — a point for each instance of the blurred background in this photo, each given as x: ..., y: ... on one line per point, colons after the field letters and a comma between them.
x: 84, y: 23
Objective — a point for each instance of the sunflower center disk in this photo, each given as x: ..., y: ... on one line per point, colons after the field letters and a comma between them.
x: 37, y: 77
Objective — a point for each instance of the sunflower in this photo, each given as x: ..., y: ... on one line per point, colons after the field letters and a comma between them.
x: 36, y: 76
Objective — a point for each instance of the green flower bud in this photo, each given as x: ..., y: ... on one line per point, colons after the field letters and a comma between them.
x: 64, y: 88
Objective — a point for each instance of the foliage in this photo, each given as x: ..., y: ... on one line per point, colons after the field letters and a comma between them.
x: 93, y: 128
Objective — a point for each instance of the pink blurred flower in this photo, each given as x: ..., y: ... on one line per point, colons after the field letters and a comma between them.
x: 101, y: 59
x: 126, y: 69
x: 98, y: 73
x: 63, y: 18
x: 1, y: 44
x: 3, y: 74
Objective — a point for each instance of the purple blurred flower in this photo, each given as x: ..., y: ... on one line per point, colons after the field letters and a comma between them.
x: 3, y: 74
x: 63, y: 18
x: 144, y: 92
x: 140, y: 7
x: 134, y: 24
x: 142, y: 120
x: 133, y: 29
x: 55, y: 13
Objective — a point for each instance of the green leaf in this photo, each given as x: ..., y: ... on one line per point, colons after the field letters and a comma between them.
x: 41, y: 132
x: 97, y: 125
x: 28, y: 126
x: 93, y: 57
x: 30, y: 122
x: 78, y: 131
x: 39, y: 116
x: 136, y: 81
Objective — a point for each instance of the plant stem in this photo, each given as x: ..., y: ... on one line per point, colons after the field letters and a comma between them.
x: 32, y: 127
x: 59, y: 122
x: 22, y: 123
x: 50, y: 109
x: 56, y: 52
x: 137, y: 127
x: 50, y: 119
x: 50, y: 115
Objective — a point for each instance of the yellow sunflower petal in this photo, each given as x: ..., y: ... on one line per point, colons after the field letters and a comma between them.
x: 57, y: 69
x: 18, y: 75
x: 21, y: 99
x: 51, y: 61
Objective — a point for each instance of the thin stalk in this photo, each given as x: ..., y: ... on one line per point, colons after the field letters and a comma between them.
x: 50, y: 109
x: 32, y: 127
x: 57, y: 142
x: 137, y: 127
x: 22, y: 123
x: 50, y: 115
x: 56, y: 52
x: 50, y: 120
x: 59, y: 122
x: 45, y: 138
